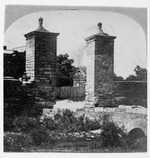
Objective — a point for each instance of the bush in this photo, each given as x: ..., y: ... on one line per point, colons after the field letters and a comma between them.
x: 112, y: 135
x: 43, y: 136
x: 16, y: 142
x: 85, y: 124
x: 50, y: 124
x: 39, y: 136
x: 25, y: 124
x: 15, y: 97
x: 10, y: 112
x: 64, y: 122
x: 67, y: 122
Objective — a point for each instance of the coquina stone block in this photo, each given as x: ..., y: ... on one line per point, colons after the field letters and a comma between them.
x: 41, y: 63
x: 100, y: 69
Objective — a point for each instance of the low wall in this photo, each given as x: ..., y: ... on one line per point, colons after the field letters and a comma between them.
x: 19, y: 97
x: 131, y: 92
x: 126, y: 92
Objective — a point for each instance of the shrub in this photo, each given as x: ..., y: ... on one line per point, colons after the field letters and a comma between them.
x: 112, y: 135
x: 15, y: 97
x: 105, y: 118
x: 25, y: 124
x: 85, y: 124
x: 67, y: 113
x: 10, y: 111
x: 39, y: 136
x: 50, y: 124
x: 16, y: 142
x: 67, y: 122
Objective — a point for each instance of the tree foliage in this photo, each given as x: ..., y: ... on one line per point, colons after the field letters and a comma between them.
x: 66, y: 68
x: 141, y: 74
x: 64, y: 65
x: 118, y: 78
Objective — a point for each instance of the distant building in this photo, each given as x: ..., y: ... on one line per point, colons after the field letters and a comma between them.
x: 20, y: 49
x: 14, y: 63
x: 14, y: 66
x: 79, y: 77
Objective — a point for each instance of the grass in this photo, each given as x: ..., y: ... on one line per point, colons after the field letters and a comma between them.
x: 66, y: 133
x: 81, y: 146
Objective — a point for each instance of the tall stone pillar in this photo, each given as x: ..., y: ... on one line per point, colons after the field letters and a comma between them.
x: 100, y: 69
x: 41, y: 48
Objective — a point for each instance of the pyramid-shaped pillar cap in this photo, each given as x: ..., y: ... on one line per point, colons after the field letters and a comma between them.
x: 40, y: 27
x: 101, y: 34
x: 41, y: 30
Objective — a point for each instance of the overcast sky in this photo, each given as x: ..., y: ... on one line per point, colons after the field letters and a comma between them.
x: 74, y: 26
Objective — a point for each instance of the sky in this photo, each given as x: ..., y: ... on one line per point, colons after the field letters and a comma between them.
x: 75, y: 26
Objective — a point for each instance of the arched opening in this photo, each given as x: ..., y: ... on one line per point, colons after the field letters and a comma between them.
x: 136, y: 133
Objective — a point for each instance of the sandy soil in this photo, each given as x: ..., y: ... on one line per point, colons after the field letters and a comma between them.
x: 69, y: 104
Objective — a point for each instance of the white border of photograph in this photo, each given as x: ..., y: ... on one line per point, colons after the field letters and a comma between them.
x: 87, y: 3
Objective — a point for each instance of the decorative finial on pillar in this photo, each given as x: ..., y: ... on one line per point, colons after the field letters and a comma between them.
x: 40, y: 27
x: 99, y: 25
x: 100, y: 29
x: 40, y: 21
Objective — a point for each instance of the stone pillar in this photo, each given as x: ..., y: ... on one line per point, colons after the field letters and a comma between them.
x: 41, y: 56
x: 100, y: 69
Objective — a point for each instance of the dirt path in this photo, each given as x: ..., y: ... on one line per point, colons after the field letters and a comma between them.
x: 69, y: 104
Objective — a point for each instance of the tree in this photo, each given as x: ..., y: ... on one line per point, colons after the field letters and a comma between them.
x: 131, y: 78
x: 118, y: 78
x: 64, y: 65
x: 141, y: 74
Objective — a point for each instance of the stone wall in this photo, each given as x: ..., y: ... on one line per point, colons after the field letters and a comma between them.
x: 30, y: 58
x: 41, y: 67
x: 104, y: 61
x: 131, y: 93
x: 45, y: 55
x: 100, y: 61
x: 89, y: 89
x: 41, y: 64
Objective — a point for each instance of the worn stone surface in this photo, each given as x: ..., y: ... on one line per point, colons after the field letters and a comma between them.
x: 89, y: 89
x: 100, y: 59
x: 41, y: 64
x: 30, y: 58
